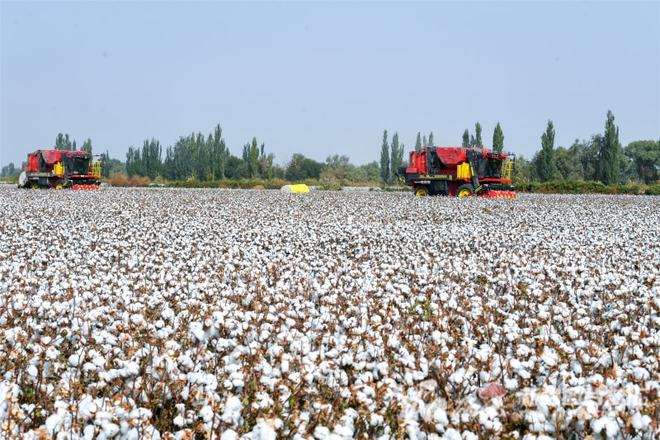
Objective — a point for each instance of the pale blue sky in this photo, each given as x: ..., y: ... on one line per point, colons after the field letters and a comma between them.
x: 325, y: 78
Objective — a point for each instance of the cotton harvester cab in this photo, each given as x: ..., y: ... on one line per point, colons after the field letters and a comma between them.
x: 60, y: 169
x: 459, y: 172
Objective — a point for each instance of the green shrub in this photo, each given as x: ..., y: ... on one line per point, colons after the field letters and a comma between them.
x: 653, y: 189
x: 582, y: 187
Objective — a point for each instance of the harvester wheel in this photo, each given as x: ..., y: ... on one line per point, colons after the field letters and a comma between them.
x: 421, y: 191
x: 464, y: 191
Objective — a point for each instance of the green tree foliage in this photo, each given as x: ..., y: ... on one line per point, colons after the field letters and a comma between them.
x: 63, y: 142
x: 199, y: 157
x: 396, y: 156
x: 301, y: 168
x: 544, y: 162
x: 610, y: 153
x: 567, y: 163
x: 431, y: 143
x: 418, y: 142
x: 522, y: 170
x: 478, y: 142
x: 586, y: 154
x: 9, y: 171
x: 133, y: 162
x: 87, y: 146
x: 498, y: 139
x: 151, y: 158
x: 466, y: 138
x: 645, y: 157
x: 385, y: 159
x: 219, y: 154
x: 236, y: 168
x: 336, y: 169
x: 110, y: 166
x: 146, y: 162
x: 365, y: 173
x: 251, y: 158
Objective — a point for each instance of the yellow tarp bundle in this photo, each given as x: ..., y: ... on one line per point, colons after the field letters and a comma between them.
x: 298, y: 188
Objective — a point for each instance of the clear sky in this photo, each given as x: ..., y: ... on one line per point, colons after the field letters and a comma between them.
x: 325, y: 78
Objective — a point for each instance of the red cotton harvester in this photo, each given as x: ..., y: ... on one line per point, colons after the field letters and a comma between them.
x: 60, y: 169
x: 459, y: 172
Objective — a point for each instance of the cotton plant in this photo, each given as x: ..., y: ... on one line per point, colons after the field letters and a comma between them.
x: 159, y: 313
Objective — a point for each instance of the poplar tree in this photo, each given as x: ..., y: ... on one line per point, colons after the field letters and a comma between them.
x: 418, y: 142
x: 498, y: 139
x: 385, y: 159
x: 610, y: 152
x: 87, y: 146
x: 466, y: 138
x: 477, y: 139
x: 396, y: 156
x: 544, y: 163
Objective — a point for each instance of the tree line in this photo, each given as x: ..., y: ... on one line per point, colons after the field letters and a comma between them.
x: 600, y: 158
x: 207, y: 158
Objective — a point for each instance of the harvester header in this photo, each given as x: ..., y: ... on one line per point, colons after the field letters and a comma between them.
x: 60, y: 169
x: 459, y: 172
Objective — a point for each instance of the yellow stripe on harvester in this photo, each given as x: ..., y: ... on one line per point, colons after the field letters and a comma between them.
x: 58, y: 169
x: 464, y: 171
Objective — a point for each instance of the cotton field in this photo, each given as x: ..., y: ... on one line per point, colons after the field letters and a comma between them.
x: 160, y: 313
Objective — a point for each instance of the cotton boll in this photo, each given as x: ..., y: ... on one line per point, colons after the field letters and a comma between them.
x: 452, y: 434
x: 232, y: 410
x: 229, y: 434
x: 640, y: 422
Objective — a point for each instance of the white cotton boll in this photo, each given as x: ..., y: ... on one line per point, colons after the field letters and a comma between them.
x: 549, y: 357
x: 229, y: 434
x: 452, y: 434
x: 32, y: 371
x: 607, y: 424
x: 321, y: 432
x: 89, y: 432
x: 75, y: 359
x: 576, y: 367
x: 196, y: 330
x: 54, y: 422
x: 232, y: 410
x: 137, y: 319
x: 457, y: 376
x: 179, y: 421
x: 524, y: 374
x: 641, y: 374
x: 264, y: 430
x: 110, y: 429
x: 435, y: 413
x: 206, y: 413
x: 86, y: 408
x: 510, y: 383
x: 640, y: 422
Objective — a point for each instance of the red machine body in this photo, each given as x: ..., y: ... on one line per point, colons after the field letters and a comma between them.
x: 459, y: 171
x: 60, y: 169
